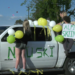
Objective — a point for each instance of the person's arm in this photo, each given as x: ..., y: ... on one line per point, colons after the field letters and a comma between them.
x: 72, y: 23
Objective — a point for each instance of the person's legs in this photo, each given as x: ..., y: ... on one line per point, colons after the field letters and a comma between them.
x: 71, y: 41
x: 65, y: 44
x: 17, y: 51
x: 23, y: 58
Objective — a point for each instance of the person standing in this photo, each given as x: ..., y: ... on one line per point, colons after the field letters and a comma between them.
x: 62, y: 14
x: 68, y: 42
x: 21, y: 46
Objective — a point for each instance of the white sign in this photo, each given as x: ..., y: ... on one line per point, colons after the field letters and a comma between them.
x: 68, y: 31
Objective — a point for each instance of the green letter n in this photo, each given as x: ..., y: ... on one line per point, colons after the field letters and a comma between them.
x: 28, y: 52
x: 13, y: 53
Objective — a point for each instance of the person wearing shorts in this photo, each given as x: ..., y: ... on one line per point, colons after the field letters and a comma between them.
x: 21, y: 46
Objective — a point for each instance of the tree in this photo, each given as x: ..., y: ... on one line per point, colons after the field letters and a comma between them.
x: 46, y: 9
x: 18, y: 21
x: 49, y: 8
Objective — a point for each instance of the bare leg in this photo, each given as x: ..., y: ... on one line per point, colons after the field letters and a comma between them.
x: 17, y: 51
x: 23, y: 58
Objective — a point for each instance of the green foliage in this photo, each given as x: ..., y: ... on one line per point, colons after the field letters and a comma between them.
x: 18, y: 22
x: 46, y: 8
x: 24, y: 2
x: 49, y: 8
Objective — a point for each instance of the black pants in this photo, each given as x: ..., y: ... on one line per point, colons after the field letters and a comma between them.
x: 68, y: 43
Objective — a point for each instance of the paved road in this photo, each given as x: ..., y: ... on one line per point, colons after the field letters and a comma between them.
x: 48, y: 73
x: 45, y: 73
x: 53, y: 73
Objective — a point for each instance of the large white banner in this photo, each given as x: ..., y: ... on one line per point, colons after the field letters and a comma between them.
x: 68, y: 31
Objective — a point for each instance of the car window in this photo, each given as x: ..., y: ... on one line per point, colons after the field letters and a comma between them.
x: 38, y: 34
x: 4, y: 38
x: 3, y: 28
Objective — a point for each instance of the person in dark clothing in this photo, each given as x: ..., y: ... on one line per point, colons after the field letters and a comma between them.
x: 27, y: 37
x: 68, y: 42
x: 21, y: 45
x: 62, y: 14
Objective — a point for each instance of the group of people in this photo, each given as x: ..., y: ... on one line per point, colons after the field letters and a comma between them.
x: 21, y: 43
x: 68, y: 42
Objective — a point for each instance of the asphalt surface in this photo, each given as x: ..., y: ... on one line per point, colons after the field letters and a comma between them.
x: 32, y: 73
x: 46, y: 73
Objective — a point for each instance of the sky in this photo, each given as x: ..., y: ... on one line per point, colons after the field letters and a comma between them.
x: 8, y: 9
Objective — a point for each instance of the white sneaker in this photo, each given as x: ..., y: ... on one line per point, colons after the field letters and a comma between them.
x: 23, y: 70
x: 14, y: 69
